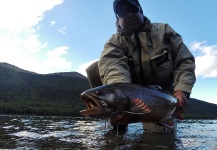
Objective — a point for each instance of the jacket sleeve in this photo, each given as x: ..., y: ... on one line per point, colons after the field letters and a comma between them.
x: 184, y: 63
x: 113, y: 63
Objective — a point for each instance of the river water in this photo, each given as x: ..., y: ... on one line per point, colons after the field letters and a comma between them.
x: 42, y: 132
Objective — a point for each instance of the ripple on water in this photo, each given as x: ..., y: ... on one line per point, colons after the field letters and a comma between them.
x: 198, y: 134
x: 27, y: 134
x: 83, y: 133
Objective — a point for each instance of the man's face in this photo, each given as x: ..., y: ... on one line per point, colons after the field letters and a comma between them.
x: 129, y: 16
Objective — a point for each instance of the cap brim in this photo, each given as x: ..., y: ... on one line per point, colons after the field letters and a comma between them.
x: 131, y: 2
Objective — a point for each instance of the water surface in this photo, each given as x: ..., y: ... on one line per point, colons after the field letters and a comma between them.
x: 40, y: 132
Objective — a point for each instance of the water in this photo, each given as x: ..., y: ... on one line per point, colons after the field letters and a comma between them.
x: 35, y: 132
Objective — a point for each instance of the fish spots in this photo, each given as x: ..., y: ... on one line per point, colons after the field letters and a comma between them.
x: 138, y: 106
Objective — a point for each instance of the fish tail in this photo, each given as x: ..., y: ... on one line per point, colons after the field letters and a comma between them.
x: 166, y: 123
x: 178, y: 114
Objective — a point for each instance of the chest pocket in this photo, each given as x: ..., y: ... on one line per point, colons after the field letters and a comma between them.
x: 162, y: 65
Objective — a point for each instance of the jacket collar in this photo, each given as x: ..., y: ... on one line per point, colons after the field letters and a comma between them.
x: 146, y: 27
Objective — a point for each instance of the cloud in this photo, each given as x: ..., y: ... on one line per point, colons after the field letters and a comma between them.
x: 82, y: 68
x: 206, y: 59
x: 23, y: 14
x: 56, y: 60
x: 31, y: 43
x: 18, y: 44
x: 63, y: 30
x: 13, y: 50
x: 19, y: 37
x: 53, y: 23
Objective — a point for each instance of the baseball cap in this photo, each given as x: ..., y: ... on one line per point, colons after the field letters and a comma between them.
x: 132, y: 2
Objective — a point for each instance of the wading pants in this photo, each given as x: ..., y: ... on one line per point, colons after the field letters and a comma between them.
x: 155, y: 128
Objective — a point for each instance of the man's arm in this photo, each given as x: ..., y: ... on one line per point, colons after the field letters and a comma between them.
x: 113, y: 63
x: 184, y: 68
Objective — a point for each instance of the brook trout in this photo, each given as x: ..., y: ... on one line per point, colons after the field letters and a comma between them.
x: 110, y: 100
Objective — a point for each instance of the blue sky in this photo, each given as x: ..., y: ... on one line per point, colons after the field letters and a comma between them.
x: 47, y: 36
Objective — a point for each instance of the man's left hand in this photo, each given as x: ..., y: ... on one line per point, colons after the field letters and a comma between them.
x: 182, y: 104
x: 121, y: 119
x: 182, y: 100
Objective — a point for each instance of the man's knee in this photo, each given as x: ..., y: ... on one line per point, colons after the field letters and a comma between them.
x: 93, y: 75
x: 155, y: 128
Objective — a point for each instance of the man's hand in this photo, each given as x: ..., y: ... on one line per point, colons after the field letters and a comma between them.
x: 182, y: 100
x: 121, y: 119
x: 182, y: 104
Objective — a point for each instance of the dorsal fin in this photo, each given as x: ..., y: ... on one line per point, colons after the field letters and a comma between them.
x: 155, y: 87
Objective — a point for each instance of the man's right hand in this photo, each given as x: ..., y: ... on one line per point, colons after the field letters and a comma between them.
x: 121, y: 119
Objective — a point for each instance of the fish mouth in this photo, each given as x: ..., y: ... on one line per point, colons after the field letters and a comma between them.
x: 94, y: 107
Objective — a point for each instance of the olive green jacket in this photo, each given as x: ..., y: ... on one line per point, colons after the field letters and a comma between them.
x: 155, y: 54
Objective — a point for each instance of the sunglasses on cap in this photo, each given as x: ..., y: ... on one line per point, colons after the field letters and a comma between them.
x: 127, y: 11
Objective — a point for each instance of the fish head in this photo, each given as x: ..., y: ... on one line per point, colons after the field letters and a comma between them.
x: 104, y: 101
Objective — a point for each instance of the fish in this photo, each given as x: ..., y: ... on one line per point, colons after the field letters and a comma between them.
x: 107, y: 101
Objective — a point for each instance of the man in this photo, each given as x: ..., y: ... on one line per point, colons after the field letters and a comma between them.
x: 146, y: 53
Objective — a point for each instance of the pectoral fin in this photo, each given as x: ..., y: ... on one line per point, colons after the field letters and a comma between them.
x: 155, y: 87
x: 166, y: 123
x: 134, y: 113
x: 137, y: 106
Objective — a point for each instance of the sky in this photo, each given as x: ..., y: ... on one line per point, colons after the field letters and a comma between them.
x: 47, y: 36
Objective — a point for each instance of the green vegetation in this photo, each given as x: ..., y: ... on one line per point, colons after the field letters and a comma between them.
x: 28, y: 93
x: 40, y: 108
x: 198, y: 109
x: 23, y: 92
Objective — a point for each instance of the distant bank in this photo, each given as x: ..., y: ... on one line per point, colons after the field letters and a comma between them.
x: 25, y: 92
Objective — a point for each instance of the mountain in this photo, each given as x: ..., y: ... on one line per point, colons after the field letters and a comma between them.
x: 6, y: 65
x: 25, y: 92
x: 69, y: 74
x: 200, y: 109
x: 64, y: 74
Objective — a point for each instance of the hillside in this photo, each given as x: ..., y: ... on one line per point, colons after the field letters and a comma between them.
x: 27, y: 93
x: 15, y: 68
x: 200, y: 109
x: 24, y: 92
x: 69, y: 74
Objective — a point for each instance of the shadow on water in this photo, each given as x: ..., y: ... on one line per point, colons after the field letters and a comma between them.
x: 35, y: 132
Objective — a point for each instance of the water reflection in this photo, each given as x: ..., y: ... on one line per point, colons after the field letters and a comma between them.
x: 37, y: 132
x: 198, y: 134
x: 136, y: 139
